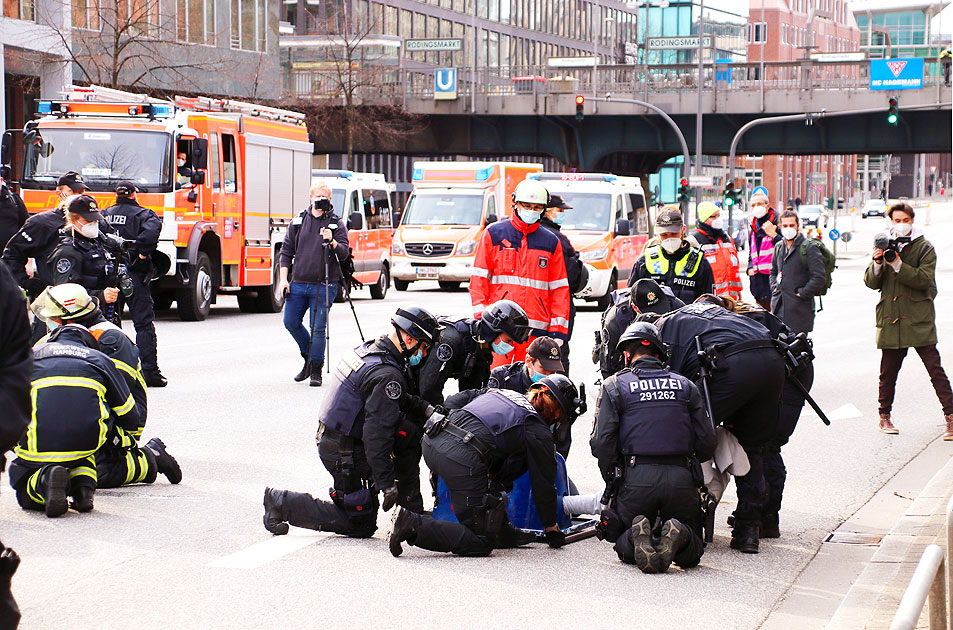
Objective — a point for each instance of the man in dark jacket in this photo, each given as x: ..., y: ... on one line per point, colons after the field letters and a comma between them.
x: 674, y: 261
x: 12, y: 213
x: 797, y: 275
x: 142, y: 225
x: 315, y: 244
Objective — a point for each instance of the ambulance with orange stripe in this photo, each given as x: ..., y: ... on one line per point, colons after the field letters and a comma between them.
x: 445, y: 215
x: 608, y: 225
x: 245, y: 173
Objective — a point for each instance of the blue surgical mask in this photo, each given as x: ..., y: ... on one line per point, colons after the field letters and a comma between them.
x: 537, y: 377
x: 416, y: 357
x: 528, y: 216
x: 502, y: 348
x: 559, y: 217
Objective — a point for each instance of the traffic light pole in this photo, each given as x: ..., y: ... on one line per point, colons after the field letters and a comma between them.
x: 686, y: 157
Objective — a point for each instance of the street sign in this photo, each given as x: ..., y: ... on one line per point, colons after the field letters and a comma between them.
x: 415, y: 45
x: 893, y: 167
x: 571, y: 62
x: 834, y: 234
x: 445, y: 84
x: 816, y: 178
x: 838, y: 57
x: 696, y: 181
x: 896, y: 74
x: 676, y: 43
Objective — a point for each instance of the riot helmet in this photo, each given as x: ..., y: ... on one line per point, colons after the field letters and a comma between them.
x: 504, y: 316
x: 418, y: 323
x: 646, y: 335
x: 572, y: 401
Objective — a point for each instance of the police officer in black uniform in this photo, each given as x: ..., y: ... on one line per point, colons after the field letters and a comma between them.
x: 142, y: 226
x: 746, y: 375
x: 651, y: 424
x: 12, y: 213
x: 466, y: 346
x: 479, y: 451
x: 674, y: 261
x: 646, y: 296
x: 366, y: 440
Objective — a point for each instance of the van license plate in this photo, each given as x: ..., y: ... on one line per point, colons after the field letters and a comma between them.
x: 428, y: 273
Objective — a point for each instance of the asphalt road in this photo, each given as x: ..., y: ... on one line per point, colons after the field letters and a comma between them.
x: 196, y: 555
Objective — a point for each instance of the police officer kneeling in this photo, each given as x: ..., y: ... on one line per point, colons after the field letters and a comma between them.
x: 366, y: 440
x: 652, y: 425
x: 479, y: 451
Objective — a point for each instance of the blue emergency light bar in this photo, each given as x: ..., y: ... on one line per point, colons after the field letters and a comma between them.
x: 483, y: 174
x: 332, y: 172
x: 574, y: 177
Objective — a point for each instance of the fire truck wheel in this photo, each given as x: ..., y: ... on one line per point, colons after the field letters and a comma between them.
x: 195, y: 299
x: 379, y: 288
x: 401, y: 285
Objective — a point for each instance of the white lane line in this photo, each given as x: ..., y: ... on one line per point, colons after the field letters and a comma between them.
x: 267, y: 550
x: 847, y: 412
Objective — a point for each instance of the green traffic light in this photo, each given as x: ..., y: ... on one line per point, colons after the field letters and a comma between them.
x: 729, y: 201
x: 892, y: 119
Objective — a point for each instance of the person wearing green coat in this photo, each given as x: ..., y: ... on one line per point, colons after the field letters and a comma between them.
x: 904, y: 273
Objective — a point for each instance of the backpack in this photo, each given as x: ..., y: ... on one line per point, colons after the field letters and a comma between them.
x: 830, y: 260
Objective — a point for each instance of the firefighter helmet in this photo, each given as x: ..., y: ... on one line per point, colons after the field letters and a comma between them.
x: 531, y: 191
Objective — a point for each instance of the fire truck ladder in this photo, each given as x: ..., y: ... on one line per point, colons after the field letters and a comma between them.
x: 207, y: 104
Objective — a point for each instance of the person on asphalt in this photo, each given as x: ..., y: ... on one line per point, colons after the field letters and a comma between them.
x: 903, y: 270
x: 141, y: 225
x: 576, y: 271
x: 745, y: 377
x: 314, y: 245
x: 466, y: 348
x: 13, y: 213
x: 479, y: 451
x: 763, y: 236
x: 516, y: 260
x: 645, y: 296
x: 652, y: 425
x: 797, y: 275
x: 369, y: 436
x: 674, y: 261
x: 719, y: 250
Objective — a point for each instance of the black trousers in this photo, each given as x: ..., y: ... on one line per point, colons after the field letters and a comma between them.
x: 467, y: 478
x: 9, y: 611
x: 142, y: 311
x: 119, y: 466
x: 775, y: 473
x: 658, y: 491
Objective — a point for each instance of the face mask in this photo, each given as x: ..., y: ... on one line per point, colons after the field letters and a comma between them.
x: 717, y: 224
x: 181, y: 162
x: 528, y: 216
x: 559, y: 218
x: 902, y: 229
x: 537, y: 377
x: 671, y: 245
x: 788, y: 233
x: 759, y: 211
x: 416, y: 357
x: 502, y: 348
x: 90, y: 230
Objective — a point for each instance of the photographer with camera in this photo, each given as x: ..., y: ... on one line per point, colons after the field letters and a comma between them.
x: 141, y: 226
x: 903, y: 269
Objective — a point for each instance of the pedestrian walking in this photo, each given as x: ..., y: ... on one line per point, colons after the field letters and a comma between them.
x: 903, y: 270
x: 797, y: 275
x: 763, y: 237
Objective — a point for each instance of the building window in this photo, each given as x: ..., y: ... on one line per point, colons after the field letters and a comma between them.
x: 248, y: 25
x: 757, y: 32
x: 85, y: 15
x: 195, y: 21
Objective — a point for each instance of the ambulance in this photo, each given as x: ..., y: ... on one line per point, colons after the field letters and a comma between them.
x: 365, y: 202
x: 608, y: 225
x: 445, y: 215
x: 246, y: 173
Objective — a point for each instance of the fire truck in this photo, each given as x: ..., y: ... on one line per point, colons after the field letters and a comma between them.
x: 225, y: 177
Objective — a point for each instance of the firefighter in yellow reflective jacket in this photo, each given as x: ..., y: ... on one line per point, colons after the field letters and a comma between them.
x: 674, y: 262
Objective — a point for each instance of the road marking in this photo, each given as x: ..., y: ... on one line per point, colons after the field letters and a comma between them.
x: 847, y: 412
x: 267, y: 550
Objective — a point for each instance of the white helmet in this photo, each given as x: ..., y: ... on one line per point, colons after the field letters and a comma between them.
x: 531, y: 191
x: 63, y: 301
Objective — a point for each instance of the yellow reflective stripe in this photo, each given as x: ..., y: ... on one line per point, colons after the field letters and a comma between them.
x: 133, y: 372
x: 52, y: 456
x: 83, y: 471
x: 69, y: 381
x: 124, y: 408
x: 655, y: 262
x: 31, y: 490
x: 130, y: 468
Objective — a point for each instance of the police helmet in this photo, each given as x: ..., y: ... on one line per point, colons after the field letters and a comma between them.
x: 565, y: 394
x: 65, y: 301
x: 418, y: 323
x: 504, y: 316
x: 646, y: 334
x: 531, y: 191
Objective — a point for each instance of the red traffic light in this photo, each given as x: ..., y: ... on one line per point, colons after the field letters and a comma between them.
x: 580, y: 99
x: 684, y: 182
x: 892, y: 102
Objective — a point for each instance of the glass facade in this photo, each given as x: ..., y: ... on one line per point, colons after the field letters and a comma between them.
x: 905, y: 27
x: 726, y: 20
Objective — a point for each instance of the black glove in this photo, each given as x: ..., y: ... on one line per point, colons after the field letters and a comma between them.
x: 9, y: 561
x: 555, y: 539
x: 390, y: 498
x: 414, y: 405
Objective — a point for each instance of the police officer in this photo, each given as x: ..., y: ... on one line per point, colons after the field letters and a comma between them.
x: 745, y: 374
x: 366, y: 439
x: 652, y: 425
x: 646, y: 296
x: 142, y: 226
x: 479, y: 451
x: 674, y: 261
x: 466, y: 347
x: 74, y: 384
x: 12, y: 213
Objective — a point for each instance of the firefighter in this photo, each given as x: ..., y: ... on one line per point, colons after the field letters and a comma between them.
x: 466, y: 348
x: 518, y: 261
x: 719, y: 250
x: 674, y: 261
x: 652, y: 425
x: 479, y: 451
x: 142, y: 226
x: 366, y: 439
x: 745, y: 375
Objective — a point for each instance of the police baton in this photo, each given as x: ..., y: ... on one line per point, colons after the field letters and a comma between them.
x: 705, y: 366
x: 792, y: 363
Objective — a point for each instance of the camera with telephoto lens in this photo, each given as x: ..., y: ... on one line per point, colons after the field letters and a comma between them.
x: 116, y: 248
x: 882, y: 241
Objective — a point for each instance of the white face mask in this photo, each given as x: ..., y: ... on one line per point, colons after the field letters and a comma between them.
x: 671, y: 245
x: 902, y: 229
x: 528, y: 216
x: 759, y: 211
x: 90, y: 230
x: 181, y: 162
x: 789, y: 233
x: 717, y: 224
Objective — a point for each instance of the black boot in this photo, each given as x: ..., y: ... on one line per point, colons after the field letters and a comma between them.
x: 54, y: 491
x: 316, y: 374
x: 305, y: 371
x: 165, y: 462
x: 154, y: 378
x: 274, y: 518
x: 744, y: 536
x: 770, y: 527
x: 405, y: 528
x: 675, y: 536
x: 83, y: 499
x: 646, y: 556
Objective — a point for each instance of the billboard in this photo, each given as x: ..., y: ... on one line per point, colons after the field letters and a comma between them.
x: 896, y: 74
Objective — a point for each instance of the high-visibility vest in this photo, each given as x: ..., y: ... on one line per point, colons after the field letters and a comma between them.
x: 686, y: 267
x: 723, y: 258
x: 761, y: 253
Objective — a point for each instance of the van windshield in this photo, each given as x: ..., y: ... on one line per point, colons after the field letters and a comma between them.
x: 590, y: 211
x: 449, y: 209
